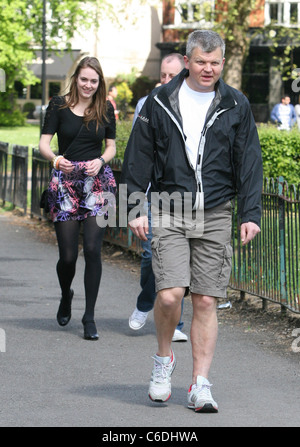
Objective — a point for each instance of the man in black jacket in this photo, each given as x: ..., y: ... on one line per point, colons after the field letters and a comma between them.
x: 195, y: 139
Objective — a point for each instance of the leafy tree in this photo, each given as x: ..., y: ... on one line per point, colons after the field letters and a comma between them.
x: 21, y: 27
x: 232, y: 21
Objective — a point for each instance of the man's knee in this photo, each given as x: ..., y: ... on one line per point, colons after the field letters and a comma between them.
x: 204, y: 303
x: 170, y: 298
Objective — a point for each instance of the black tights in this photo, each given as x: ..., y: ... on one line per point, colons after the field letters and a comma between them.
x: 68, y: 237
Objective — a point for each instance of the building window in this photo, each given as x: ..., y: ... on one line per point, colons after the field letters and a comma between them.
x: 282, y: 12
x: 36, y: 91
x: 193, y: 14
x: 54, y: 89
x: 21, y: 90
x: 256, y: 77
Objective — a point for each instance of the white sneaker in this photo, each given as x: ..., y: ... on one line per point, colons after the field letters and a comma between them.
x: 200, y: 398
x: 160, y: 384
x: 137, y: 320
x: 179, y: 336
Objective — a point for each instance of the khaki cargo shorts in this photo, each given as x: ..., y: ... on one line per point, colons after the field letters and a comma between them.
x: 203, y: 264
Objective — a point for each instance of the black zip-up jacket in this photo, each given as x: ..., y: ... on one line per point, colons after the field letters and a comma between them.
x: 229, y: 155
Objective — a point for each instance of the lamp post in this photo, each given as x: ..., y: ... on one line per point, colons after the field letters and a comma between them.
x: 43, y: 66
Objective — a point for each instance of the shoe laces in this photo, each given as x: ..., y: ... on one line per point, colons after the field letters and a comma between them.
x: 139, y: 315
x: 161, y: 371
x: 204, y: 389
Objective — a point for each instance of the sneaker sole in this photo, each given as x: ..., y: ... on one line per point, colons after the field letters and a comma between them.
x: 207, y: 408
x: 180, y: 340
x: 136, y: 328
x: 160, y: 400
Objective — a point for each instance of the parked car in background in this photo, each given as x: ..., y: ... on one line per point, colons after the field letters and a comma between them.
x: 38, y: 110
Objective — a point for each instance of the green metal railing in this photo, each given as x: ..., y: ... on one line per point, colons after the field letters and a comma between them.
x: 14, y: 174
x: 269, y: 266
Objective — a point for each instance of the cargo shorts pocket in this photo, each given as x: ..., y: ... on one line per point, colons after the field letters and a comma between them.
x: 157, y: 263
x: 225, y: 271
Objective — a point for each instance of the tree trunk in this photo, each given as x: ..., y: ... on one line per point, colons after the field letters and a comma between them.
x: 233, y: 69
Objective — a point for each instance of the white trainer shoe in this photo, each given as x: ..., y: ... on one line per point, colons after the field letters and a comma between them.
x: 160, y: 384
x: 137, y: 320
x: 200, y: 398
x: 179, y: 336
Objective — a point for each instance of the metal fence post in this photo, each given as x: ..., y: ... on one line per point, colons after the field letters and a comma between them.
x: 282, y: 260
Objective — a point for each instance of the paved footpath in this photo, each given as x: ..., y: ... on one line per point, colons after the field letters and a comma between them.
x: 51, y: 377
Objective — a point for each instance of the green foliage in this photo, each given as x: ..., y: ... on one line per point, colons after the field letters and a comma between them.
x: 11, y: 118
x: 124, y: 98
x: 281, y: 153
x: 123, y: 133
x: 10, y: 114
x: 21, y: 28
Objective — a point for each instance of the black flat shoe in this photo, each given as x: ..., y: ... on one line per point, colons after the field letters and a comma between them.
x: 64, y: 311
x: 90, y: 330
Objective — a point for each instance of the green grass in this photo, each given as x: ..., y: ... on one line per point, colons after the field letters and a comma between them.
x: 28, y: 135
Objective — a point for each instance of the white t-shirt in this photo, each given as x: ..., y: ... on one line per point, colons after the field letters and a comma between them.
x: 193, y: 108
x: 284, y: 115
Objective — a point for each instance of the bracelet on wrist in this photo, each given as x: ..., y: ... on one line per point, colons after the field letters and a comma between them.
x: 102, y: 160
x: 52, y: 161
x: 58, y: 161
x: 55, y: 161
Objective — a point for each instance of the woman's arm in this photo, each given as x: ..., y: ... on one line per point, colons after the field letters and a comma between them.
x: 46, y: 152
x: 44, y: 146
x: 110, y: 150
x: 94, y: 166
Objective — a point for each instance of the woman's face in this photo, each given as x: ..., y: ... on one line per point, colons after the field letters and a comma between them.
x: 87, y: 83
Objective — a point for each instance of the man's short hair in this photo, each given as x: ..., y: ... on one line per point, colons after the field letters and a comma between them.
x: 207, y: 40
x: 170, y: 57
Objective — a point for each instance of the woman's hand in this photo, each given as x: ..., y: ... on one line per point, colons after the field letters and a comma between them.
x: 65, y: 165
x: 93, y: 167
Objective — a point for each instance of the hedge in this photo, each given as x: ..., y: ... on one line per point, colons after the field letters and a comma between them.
x: 280, y: 150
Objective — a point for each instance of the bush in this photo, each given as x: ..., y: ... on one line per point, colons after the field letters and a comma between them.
x: 281, y: 153
x: 10, y: 114
x: 123, y: 133
x: 12, y: 118
x: 29, y: 108
x: 124, y: 98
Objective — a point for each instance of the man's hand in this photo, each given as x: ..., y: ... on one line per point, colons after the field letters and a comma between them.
x: 139, y: 227
x: 248, y: 231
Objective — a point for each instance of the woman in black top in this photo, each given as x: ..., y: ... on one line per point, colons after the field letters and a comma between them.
x: 82, y: 186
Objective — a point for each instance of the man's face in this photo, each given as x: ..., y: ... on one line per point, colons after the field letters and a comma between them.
x: 114, y: 92
x: 286, y: 100
x: 205, y: 69
x: 169, y: 70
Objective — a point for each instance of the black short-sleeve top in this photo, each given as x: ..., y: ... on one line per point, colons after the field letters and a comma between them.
x: 89, y: 141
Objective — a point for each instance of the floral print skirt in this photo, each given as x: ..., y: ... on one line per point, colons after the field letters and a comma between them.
x: 76, y: 196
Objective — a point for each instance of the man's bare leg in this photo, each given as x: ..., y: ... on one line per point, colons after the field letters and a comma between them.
x: 167, y: 311
x: 204, y: 332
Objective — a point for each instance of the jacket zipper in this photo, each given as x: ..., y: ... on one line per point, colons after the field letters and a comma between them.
x: 201, y: 147
x: 198, y: 171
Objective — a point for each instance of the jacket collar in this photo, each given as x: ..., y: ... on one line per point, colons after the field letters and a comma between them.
x: 168, y: 94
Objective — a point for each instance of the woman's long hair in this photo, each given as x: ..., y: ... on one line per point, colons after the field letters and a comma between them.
x: 98, y: 107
